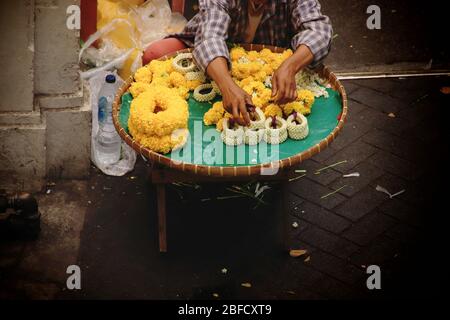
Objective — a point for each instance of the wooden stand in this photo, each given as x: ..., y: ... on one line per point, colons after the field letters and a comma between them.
x: 160, y: 176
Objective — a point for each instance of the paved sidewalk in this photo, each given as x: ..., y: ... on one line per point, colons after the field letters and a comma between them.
x: 410, y: 37
x: 395, y: 137
x: 343, y: 233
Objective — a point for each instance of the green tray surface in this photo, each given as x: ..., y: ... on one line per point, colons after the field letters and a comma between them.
x: 207, y: 148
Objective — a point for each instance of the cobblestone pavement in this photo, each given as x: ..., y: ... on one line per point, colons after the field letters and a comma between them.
x: 355, y: 46
x: 395, y: 137
x: 343, y: 233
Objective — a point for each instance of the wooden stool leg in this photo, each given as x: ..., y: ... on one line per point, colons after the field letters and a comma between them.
x: 161, y: 201
x: 285, y: 216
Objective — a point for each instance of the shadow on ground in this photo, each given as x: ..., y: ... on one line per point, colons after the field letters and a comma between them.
x: 119, y: 247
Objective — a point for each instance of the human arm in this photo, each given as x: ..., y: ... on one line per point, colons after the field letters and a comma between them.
x: 311, y: 43
x: 235, y: 100
x: 212, y: 56
x: 284, y: 87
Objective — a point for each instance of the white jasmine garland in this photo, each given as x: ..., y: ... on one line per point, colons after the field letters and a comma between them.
x: 311, y: 81
x: 307, y: 80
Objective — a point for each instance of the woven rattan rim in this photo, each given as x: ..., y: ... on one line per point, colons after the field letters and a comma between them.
x: 230, y: 171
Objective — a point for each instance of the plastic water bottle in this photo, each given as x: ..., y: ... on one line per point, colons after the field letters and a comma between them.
x: 107, y: 141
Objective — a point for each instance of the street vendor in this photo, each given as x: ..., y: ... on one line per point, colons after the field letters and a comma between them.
x: 283, y: 23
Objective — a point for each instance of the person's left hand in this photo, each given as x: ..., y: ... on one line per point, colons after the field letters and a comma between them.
x: 284, y: 87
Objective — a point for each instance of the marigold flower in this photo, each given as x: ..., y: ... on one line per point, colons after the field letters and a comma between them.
x: 236, y: 53
x: 159, y: 108
x: 219, y: 125
x: 273, y: 110
x: 192, y: 84
x: 213, y: 115
x: 155, y: 115
x: 137, y: 88
x: 297, y: 106
x: 143, y: 75
x: 306, y: 96
x: 176, y: 79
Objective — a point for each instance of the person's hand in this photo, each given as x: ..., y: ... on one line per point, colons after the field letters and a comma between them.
x: 235, y: 101
x: 284, y: 88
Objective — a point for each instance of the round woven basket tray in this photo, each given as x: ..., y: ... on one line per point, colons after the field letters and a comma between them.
x: 233, y: 171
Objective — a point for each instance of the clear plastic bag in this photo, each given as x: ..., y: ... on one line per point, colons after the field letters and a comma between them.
x: 128, y: 155
x: 125, y: 30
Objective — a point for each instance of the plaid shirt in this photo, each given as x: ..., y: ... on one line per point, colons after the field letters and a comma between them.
x: 295, y: 21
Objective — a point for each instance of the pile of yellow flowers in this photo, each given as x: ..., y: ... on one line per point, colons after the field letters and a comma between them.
x: 162, y: 73
x: 158, y: 119
x: 159, y: 112
x: 251, y: 71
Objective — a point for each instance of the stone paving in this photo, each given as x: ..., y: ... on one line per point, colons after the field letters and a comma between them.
x: 395, y: 137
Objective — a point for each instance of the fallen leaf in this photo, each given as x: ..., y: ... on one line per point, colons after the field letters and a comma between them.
x: 224, y: 270
x: 391, y: 115
x: 307, y: 259
x: 295, y: 224
x: 297, y: 253
x: 246, y: 285
x: 291, y: 292
x: 215, y: 295
x: 445, y: 90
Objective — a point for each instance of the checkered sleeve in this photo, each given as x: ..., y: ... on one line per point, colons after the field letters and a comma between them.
x: 212, y: 32
x: 313, y: 29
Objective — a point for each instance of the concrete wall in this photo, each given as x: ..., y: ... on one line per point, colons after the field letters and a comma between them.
x: 44, y: 117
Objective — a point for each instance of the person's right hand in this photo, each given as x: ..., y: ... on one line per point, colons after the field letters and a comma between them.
x: 235, y: 101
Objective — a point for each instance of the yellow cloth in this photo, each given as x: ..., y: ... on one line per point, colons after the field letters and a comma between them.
x: 124, y: 32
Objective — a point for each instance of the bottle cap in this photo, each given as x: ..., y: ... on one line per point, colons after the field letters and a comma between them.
x: 110, y: 78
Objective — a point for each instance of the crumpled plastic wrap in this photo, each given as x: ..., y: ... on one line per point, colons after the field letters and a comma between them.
x: 124, y: 29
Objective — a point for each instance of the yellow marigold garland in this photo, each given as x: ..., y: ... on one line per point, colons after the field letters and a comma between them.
x: 144, y: 75
x: 154, y: 117
x: 161, y: 88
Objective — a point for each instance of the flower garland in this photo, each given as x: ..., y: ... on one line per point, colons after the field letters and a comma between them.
x: 159, y: 111
x: 297, y: 126
x: 156, y: 117
x: 199, y: 94
x: 232, y: 134
x: 184, y: 63
x: 275, y: 130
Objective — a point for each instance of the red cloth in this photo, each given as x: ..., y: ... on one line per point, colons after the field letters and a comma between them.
x: 178, y: 6
x: 88, y: 18
x: 162, y: 47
